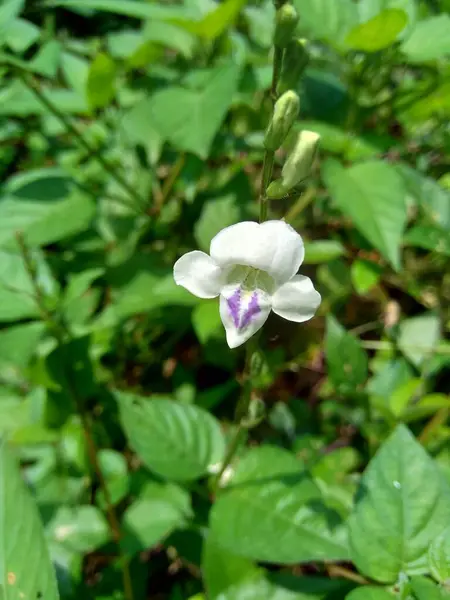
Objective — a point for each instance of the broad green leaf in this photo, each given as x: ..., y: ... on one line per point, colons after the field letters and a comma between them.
x: 9, y: 10
x: 346, y: 359
x: 25, y: 567
x: 129, y: 8
x: 18, y: 343
x: 164, y: 34
x: 396, y: 516
x: 418, y: 336
x: 214, y: 23
x: 365, y: 275
x: 189, y: 118
x: 46, y: 61
x: 371, y: 8
x: 176, y: 441
x: 429, y: 40
x: 425, y: 589
x: 216, y: 214
x: 79, y: 529
x: 16, y: 291
x: 114, y: 467
x: 439, y: 557
x: 207, y: 322
x: 44, y: 206
x: 373, y: 195
x: 369, y: 592
x: 380, y: 32
x: 321, y: 251
x: 271, y: 499
x: 327, y: 19
x: 429, y: 237
x: 160, y: 509
x: 101, y: 81
x: 21, y: 34
x: 19, y: 100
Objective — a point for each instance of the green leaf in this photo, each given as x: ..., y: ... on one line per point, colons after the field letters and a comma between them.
x: 215, y: 22
x: 44, y: 206
x: 101, y: 81
x: 418, y: 336
x: 429, y: 40
x: 321, y: 251
x: 347, y: 360
x: 429, y: 237
x: 369, y: 592
x: 18, y: 343
x: 365, y: 275
x: 207, y: 322
x: 21, y: 535
x: 190, y: 119
x: 21, y: 34
x: 160, y: 509
x: 115, y: 473
x: 216, y: 214
x: 79, y: 529
x: 379, y: 32
x: 328, y: 20
x: 176, y: 441
x: 9, y: 10
x: 373, y: 195
x: 396, y: 516
x: 371, y: 8
x: 271, y: 499
x: 439, y: 557
x: 16, y: 290
x: 425, y: 589
x: 129, y: 8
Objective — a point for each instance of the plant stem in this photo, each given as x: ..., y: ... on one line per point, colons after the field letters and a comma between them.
x: 137, y: 203
x: 338, y: 571
x: 269, y: 155
x: 300, y: 204
x: 61, y: 333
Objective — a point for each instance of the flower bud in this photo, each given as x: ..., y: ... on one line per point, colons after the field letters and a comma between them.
x: 300, y: 161
x: 285, y: 112
x: 286, y: 20
x: 276, y: 190
x: 295, y: 60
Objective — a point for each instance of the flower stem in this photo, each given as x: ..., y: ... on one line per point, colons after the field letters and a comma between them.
x: 269, y: 155
x: 62, y: 335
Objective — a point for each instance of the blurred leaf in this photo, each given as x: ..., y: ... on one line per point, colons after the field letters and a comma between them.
x: 425, y: 406
x: 396, y: 516
x: 190, y: 119
x: 321, y: 251
x: 346, y: 359
x: 425, y: 589
x: 16, y: 290
x: 371, y: 8
x: 429, y: 39
x: 115, y: 473
x: 21, y: 530
x: 9, y: 10
x: 18, y: 343
x: 271, y: 498
x: 216, y: 214
x: 373, y: 196
x: 101, y: 81
x: 46, y: 61
x: 37, y: 204
x: 207, y: 322
x: 214, y: 23
x: 439, y: 557
x: 418, y: 336
x: 369, y: 592
x: 169, y: 35
x: 429, y: 237
x: 79, y: 529
x: 176, y: 441
x: 365, y: 275
x: 21, y: 34
x: 380, y: 32
x: 326, y: 19
x: 129, y: 8
x: 159, y: 510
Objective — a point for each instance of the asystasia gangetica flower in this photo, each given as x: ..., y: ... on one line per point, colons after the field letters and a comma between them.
x: 253, y: 268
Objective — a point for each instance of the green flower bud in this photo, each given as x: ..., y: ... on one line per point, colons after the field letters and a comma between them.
x: 276, y: 190
x: 285, y: 112
x: 295, y: 60
x: 286, y: 20
x: 300, y: 161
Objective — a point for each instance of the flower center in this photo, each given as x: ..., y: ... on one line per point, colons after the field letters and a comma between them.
x: 246, y: 291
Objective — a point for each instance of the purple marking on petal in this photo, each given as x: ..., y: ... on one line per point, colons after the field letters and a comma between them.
x: 234, y: 305
x: 251, y: 311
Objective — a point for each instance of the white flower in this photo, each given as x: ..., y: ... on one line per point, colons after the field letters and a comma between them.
x: 252, y: 267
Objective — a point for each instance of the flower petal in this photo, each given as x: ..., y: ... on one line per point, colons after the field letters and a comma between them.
x: 272, y: 246
x: 199, y: 274
x: 243, y: 313
x: 296, y: 300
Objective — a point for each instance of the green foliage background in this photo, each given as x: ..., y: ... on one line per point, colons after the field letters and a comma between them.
x: 131, y: 132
